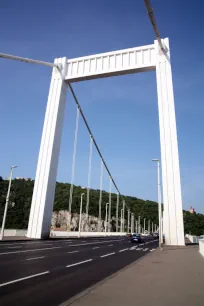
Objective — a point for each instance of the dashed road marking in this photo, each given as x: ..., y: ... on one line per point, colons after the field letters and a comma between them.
x: 107, y: 255
x: 123, y: 250
x: 133, y: 248
x: 95, y: 248
x: 79, y: 263
x: 32, y: 250
x: 23, y: 278
x: 15, y: 247
x: 34, y: 258
x: 72, y: 252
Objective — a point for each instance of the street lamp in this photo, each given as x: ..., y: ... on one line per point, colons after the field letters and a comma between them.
x: 80, y: 215
x: 144, y: 225
x: 139, y: 225
x: 128, y: 220
x: 7, y: 202
x: 121, y: 220
x: 136, y: 226
x: 132, y: 223
x: 159, y: 204
x: 106, y: 217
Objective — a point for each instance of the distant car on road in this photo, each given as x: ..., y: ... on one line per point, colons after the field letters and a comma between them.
x: 136, y: 238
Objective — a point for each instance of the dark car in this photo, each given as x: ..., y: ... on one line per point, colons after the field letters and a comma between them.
x: 136, y: 238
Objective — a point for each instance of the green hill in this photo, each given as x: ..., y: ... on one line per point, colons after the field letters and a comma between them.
x: 21, y: 196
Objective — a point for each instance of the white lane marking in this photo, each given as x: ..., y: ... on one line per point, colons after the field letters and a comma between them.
x: 141, y: 244
x: 146, y: 249
x: 15, y: 247
x: 79, y: 263
x: 23, y: 278
x: 123, y: 250
x: 29, y: 242
x: 33, y: 258
x: 72, y: 252
x: 110, y: 245
x: 107, y: 255
x: 152, y: 250
x: 91, y: 243
x: 133, y: 248
x: 95, y: 248
x: 32, y: 250
x: 138, y: 249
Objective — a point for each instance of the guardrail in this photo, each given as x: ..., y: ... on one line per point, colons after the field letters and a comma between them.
x: 15, y: 232
x: 85, y: 234
x: 201, y: 247
x: 194, y: 239
x: 23, y: 233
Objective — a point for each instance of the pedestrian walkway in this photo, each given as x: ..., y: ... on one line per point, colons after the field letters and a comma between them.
x: 172, y: 277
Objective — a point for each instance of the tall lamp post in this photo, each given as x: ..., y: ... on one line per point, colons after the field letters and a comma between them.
x: 132, y: 230
x: 136, y: 226
x: 149, y: 226
x: 144, y: 225
x: 121, y: 220
x: 80, y: 215
x: 159, y: 204
x: 6, y: 205
x: 106, y: 217
x: 128, y: 221
x: 139, y: 225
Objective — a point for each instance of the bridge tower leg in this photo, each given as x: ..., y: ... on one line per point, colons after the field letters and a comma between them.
x: 173, y: 212
x: 45, y: 180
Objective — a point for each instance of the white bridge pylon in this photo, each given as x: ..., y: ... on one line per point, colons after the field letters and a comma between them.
x: 139, y: 59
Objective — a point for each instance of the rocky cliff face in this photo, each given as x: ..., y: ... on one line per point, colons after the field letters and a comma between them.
x: 62, y: 219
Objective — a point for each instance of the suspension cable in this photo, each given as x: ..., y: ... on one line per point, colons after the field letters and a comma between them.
x: 117, y: 205
x: 153, y: 22
x: 27, y: 60
x: 100, y: 196
x: 74, y: 161
x: 89, y: 130
x: 109, y: 211
x: 89, y: 175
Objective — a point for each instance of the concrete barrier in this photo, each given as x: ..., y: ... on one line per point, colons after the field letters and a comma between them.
x: 201, y: 247
x: 85, y: 234
x: 194, y: 239
x: 15, y: 232
x: 23, y: 233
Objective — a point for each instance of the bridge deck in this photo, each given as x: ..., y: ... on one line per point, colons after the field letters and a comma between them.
x: 172, y: 277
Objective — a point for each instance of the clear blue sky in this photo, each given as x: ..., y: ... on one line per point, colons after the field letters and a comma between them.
x: 122, y: 111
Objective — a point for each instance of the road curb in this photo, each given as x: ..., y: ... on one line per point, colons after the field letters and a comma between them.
x: 91, y: 288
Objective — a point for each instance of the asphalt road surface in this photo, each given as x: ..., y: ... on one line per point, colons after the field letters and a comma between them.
x: 52, y: 271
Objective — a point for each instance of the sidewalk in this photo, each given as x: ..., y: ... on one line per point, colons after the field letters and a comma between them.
x: 172, y: 277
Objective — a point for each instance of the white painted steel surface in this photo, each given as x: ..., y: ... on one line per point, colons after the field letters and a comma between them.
x: 173, y: 213
x: 45, y: 180
x: 111, y: 63
x: 103, y: 65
